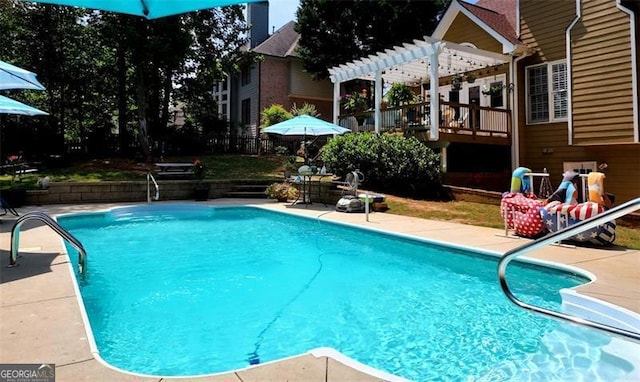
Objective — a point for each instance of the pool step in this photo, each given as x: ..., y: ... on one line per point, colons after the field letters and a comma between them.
x: 249, y: 191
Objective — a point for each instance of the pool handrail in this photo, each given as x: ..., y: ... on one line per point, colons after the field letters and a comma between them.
x: 565, y: 233
x: 150, y: 179
x: 48, y: 220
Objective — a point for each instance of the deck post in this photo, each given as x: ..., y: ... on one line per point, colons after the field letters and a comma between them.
x: 377, y: 101
x: 434, y: 104
x: 336, y: 101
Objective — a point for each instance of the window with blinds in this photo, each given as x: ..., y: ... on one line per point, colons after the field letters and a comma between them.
x: 547, y: 97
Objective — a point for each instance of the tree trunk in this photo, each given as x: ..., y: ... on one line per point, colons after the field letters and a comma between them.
x: 143, y: 106
x: 123, y: 133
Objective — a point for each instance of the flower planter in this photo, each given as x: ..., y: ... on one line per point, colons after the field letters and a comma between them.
x: 201, y: 193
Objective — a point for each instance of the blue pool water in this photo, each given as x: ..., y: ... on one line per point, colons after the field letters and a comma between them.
x: 190, y: 290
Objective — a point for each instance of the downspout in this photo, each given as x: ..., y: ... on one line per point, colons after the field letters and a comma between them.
x: 569, y: 73
x: 634, y: 71
x: 259, y: 100
x: 515, y: 131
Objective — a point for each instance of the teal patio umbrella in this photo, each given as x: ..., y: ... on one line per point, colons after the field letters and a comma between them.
x: 304, y: 125
x: 13, y: 77
x: 151, y: 9
x: 11, y: 106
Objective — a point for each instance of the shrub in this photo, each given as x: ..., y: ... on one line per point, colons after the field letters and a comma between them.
x: 274, y: 114
x: 281, y: 191
x: 390, y: 163
x: 305, y: 109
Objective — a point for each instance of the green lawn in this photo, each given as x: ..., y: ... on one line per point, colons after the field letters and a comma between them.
x: 271, y: 167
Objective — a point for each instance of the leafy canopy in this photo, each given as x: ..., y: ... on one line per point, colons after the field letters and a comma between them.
x: 336, y: 32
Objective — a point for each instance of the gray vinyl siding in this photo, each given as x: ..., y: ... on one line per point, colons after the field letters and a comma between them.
x: 302, y: 85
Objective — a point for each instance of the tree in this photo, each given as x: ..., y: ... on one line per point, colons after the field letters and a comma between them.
x: 336, y: 32
x: 100, y: 68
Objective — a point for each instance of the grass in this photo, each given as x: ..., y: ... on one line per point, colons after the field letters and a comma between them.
x: 271, y: 167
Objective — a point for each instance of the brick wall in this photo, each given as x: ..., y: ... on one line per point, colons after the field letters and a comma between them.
x: 274, y: 83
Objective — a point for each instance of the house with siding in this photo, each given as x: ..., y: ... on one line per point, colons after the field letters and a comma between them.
x: 565, y: 81
x: 278, y: 78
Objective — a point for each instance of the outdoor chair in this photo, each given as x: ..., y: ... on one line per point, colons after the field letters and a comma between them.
x: 350, y: 184
x: 7, y: 208
x: 460, y: 122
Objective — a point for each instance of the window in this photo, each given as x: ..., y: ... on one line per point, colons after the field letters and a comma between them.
x: 245, y: 111
x: 497, y: 98
x: 245, y: 76
x: 547, y: 92
x: 559, y: 89
x: 580, y: 167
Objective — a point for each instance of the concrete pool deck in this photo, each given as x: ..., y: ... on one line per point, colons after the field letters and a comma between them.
x: 41, y: 322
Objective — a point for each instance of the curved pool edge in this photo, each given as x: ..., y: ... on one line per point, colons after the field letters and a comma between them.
x: 328, y: 352
x: 317, y: 353
x: 574, y: 302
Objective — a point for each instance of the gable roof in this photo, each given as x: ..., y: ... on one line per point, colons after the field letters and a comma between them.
x: 508, y: 8
x: 497, y: 18
x: 494, y: 18
x: 281, y: 43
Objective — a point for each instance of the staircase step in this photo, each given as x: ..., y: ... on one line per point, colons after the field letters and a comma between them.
x: 250, y: 187
x: 246, y: 194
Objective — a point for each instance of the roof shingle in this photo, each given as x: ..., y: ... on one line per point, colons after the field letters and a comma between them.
x: 499, y: 15
x: 281, y: 43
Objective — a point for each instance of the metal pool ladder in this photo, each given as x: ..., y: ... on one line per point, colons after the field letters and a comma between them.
x: 48, y: 220
x: 150, y: 179
x: 609, y: 215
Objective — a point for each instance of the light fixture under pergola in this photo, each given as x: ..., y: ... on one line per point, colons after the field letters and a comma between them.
x: 410, y: 62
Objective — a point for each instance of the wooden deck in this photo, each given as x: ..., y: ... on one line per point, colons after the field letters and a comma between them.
x: 459, y: 122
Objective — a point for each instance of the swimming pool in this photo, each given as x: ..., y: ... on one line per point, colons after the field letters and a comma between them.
x: 191, y: 290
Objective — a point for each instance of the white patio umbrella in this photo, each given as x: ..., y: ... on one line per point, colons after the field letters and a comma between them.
x: 13, y: 77
x: 151, y: 9
x: 11, y: 106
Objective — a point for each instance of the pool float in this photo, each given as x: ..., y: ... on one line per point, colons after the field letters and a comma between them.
x: 560, y: 214
x: 520, y: 207
x: 567, y: 192
x: 520, y: 181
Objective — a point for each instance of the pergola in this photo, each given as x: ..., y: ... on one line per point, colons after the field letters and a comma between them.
x: 423, y: 60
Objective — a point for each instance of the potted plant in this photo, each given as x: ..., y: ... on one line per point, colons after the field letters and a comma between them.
x: 281, y: 192
x: 201, y: 192
x: 290, y: 166
x: 492, y: 90
x: 471, y: 78
x: 456, y: 83
x: 400, y: 94
x: 354, y: 102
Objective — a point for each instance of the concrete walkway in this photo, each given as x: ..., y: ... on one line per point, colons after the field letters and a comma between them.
x: 41, y: 322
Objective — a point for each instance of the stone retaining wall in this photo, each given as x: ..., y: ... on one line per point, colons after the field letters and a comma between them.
x: 136, y: 191
x: 124, y: 191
